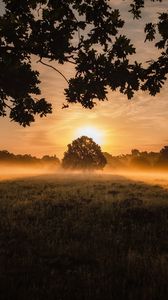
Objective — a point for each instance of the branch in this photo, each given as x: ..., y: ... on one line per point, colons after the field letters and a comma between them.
x: 71, y: 62
x: 55, y: 69
x: 6, y: 105
x: 79, y: 34
x: 38, y: 10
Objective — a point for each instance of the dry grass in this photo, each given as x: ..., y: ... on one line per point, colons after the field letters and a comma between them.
x: 83, y: 237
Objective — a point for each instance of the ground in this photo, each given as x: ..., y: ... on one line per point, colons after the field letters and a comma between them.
x: 83, y: 237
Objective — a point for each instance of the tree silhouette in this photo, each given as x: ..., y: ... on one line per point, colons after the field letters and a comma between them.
x: 135, y: 152
x: 164, y: 152
x: 53, y: 160
x: 163, y: 157
x: 140, y: 159
x: 113, y: 162
x: 84, y: 153
x: 27, y: 159
x: 83, y: 33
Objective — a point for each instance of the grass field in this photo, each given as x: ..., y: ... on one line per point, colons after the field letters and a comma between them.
x: 83, y: 237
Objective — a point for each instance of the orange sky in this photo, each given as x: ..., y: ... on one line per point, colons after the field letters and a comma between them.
x: 140, y: 123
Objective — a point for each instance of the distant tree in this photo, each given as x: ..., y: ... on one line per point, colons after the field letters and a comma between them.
x: 135, y: 152
x: 109, y: 158
x: 84, y: 153
x: 113, y: 162
x: 85, y: 33
x: 164, y: 152
x: 50, y: 159
x: 141, y: 161
x: 163, y: 157
x: 28, y: 159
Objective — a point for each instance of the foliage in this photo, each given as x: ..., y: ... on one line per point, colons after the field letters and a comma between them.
x: 27, y: 159
x: 139, y: 160
x: 84, y: 33
x: 164, y: 152
x: 83, y: 153
x: 136, y: 160
x: 163, y: 157
x: 92, y: 152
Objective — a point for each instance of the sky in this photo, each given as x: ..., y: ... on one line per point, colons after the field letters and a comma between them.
x: 118, y: 124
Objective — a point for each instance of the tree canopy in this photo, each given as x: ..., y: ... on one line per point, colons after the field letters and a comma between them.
x: 84, y: 153
x: 139, y: 160
x: 85, y: 33
x: 27, y: 159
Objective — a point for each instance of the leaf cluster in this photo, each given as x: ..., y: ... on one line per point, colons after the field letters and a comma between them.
x: 85, y: 33
x: 83, y: 153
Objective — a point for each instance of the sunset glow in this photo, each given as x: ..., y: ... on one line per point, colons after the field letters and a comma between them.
x: 83, y: 149
x: 91, y: 132
x: 117, y: 125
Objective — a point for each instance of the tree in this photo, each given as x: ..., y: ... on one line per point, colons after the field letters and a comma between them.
x: 163, y: 157
x: 53, y: 160
x: 27, y: 159
x: 164, y: 152
x: 85, y: 33
x: 113, y: 162
x: 135, y: 152
x: 84, y: 153
x: 140, y: 160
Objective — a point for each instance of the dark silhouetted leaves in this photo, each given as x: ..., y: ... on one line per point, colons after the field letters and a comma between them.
x: 84, y: 153
x: 150, y: 31
x: 84, y: 33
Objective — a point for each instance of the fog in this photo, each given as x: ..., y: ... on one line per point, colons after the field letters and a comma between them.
x: 151, y: 177
x: 23, y: 171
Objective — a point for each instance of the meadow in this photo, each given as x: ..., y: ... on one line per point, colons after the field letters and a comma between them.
x: 84, y: 237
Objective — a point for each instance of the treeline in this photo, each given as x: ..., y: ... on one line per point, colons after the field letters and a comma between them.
x: 141, y: 160
x: 27, y: 159
x: 137, y: 159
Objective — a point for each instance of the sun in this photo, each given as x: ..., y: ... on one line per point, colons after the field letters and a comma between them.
x: 90, y: 132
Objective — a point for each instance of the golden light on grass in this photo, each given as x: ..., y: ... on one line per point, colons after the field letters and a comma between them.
x: 91, y: 132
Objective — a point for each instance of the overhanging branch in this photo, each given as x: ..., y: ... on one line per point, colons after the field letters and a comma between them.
x: 55, y: 69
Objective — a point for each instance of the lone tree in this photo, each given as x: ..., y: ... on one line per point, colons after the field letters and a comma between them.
x: 84, y: 153
x: 84, y: 33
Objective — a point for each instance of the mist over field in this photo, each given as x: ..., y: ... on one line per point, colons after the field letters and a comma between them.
x: 47, y: 170
x: 15, y: 171
x: 92, y: 226
x: 83, y: 193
